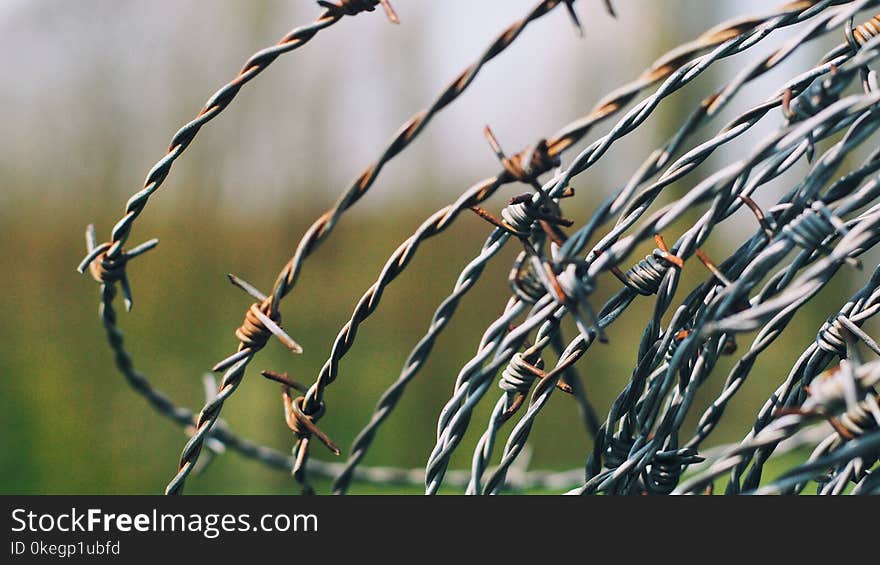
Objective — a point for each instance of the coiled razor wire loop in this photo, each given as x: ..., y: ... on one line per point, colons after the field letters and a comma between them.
x: 679, y: 66
x: 322, y: 228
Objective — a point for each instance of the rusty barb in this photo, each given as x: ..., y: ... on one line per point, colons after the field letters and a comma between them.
x: 110, y: 270
x: 519, y: 374
x: 261, y: 321
x: 862, y: 33
x: 846, y: 396
x: 303, y: 425
x: 569, y: 6
x: 645, y: 277
x: 355, y: 7
x: 522, y: 211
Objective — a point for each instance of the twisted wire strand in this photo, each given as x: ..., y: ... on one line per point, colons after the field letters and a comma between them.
x: 322, y: 227
x: 780, y: 164
x: 517, y: 439
x: 816, y: 363
x: 255, y: 65
x: 648, y: 280
x: 763, y: 340
x: 670, y: 67
x: 824, y: 23
x: 810, y: 364
x: 318, y: 232
x: 677, y: 422
x: 473, y: 380
x: 113, y: 251
x: 183, y: 416
x: 273, y: 458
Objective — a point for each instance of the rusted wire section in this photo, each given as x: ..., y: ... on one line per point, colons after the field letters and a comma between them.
x: 864, y: 32
x: 261, y: 321
x: 322, y: 227
x: 258, y: 62
x: 320, y: 230
x: 355, y: 7
x: 302, y: 425
x: 111, y: 265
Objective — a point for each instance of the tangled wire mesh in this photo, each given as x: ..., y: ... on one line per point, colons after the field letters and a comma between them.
x: 820, y: 226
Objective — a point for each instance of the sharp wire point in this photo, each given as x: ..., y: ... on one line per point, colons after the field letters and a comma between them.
x: 569, y: 6
x: 126, y: 293
x: 248, y: 288
x: 278, y: 332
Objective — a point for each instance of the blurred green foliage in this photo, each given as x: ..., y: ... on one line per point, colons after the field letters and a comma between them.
x: 71, y: 424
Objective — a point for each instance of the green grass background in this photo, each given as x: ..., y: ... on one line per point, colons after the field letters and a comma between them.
x: 71, y: 424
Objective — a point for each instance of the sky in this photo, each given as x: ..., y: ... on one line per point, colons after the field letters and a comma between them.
x: 93, y: 91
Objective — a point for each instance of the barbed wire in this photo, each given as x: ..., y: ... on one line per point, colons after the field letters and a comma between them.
x: 847, y: 397
x: 664, y: 379
x: 822, y: 224
x: 647, y: 277
x: 677, y: 423
x: 696, y: 379
x: 678, y: 67
x: 108, y: 261
x: 476, y: 378
x: 266, y: 317
x: 738, y: 253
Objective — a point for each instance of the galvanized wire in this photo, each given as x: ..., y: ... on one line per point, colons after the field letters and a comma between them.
x: 647, y: 277
x: 661, y: 348
x: 739, y: 254
x: 679, y: 66
x: 829, y: 398
x: 693, y: 372
x: 476, y: 377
